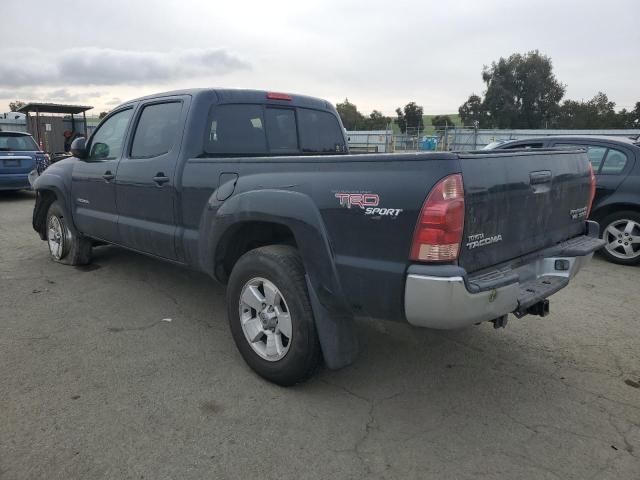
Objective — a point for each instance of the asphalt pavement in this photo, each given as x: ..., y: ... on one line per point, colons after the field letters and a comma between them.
x: 126, y: 369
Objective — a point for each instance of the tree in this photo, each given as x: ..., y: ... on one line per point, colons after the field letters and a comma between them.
x: 102, y: 115
x: 472, y: 112
x: 522, y: 92
x: 441, y: 121
x: 376, y: 121
x: 15, y: 105
x: 632, y: 119
x: 351, y: 118
x: 628, y: 119
x: 410, y: 117
x: 598, y: 112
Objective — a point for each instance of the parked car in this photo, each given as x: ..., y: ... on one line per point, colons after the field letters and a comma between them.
x: 616, y: 163
x: 494, y: 144
x: 19, y: 155
x: 257, y: 190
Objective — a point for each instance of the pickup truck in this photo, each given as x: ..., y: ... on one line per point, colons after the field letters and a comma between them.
x: 258, y: 190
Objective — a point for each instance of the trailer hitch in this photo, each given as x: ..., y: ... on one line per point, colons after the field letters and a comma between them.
x: 541, y: 309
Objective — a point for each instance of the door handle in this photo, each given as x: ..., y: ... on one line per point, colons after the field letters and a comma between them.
x: 160, y: 179
x: 108, y: 176
x: 542, y: 176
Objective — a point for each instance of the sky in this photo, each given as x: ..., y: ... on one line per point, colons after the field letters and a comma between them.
x: 378, y: 54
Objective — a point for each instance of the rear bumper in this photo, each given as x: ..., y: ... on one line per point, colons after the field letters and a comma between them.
x: 14, y: 181
x: 448, y: 298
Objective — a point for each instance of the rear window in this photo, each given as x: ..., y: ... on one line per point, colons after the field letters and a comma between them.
x: 244, y: 129
x: 320, y: 132
x: 17, y: 143
x: 281, y: 130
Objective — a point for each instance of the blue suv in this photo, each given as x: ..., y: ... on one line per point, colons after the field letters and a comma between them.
x: 19, y: 155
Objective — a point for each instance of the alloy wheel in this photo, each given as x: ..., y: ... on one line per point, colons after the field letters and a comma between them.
x: 623, y: 238
x: 265, y: 319
x: 55, y: 237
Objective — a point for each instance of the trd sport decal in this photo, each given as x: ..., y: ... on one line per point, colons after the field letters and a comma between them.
x: 368, y: 202
x: 361, y: 200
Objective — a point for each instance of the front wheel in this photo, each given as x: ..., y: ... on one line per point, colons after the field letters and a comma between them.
x: 65, y: 245
x: 621, y: 232
x: 270, y: 315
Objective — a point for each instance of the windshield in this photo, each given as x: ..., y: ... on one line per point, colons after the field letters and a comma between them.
x: 10, y: 142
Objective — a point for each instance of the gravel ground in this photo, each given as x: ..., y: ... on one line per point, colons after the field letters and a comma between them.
x: 95, y: 383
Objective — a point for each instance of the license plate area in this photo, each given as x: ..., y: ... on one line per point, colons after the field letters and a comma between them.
x: 12, y: 163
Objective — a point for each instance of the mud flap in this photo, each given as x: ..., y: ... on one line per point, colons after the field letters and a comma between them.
x: 336, y: 331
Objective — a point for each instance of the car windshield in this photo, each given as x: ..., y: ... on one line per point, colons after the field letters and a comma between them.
x: 10, y: 142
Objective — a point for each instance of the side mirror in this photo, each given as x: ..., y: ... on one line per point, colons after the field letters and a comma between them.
x: 99, y: 151
x: 78, y: 148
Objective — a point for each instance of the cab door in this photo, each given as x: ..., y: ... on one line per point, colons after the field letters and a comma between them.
x: 145, y: 186
x: 93, y: 188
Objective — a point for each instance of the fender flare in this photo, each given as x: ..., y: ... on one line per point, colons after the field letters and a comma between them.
x: 297, y: 211
x: 52, y: 183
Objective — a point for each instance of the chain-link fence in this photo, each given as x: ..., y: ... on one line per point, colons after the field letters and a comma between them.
x: 470, y: 138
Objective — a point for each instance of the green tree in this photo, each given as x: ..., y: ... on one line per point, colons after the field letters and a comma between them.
x: 472, y: 112
x: 441, y: 121
x: 522, y: 92
x: 632, y: 118
x: 376, y: 121
x: 15, y: 105
x: 351, y: 118
x: 102, y: 115
x: 599, y: 112
x: 410, y: 117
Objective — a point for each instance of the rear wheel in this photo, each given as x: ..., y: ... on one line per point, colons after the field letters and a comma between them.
x: 270, y: 315
x: 65, y: 245
x: 621, y: 232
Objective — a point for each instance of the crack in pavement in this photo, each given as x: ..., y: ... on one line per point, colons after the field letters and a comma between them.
x: 132, y: 329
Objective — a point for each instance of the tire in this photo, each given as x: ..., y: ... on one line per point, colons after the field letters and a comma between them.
x: 272, y: 280
x: 65, y: 245
x: 621, y: 231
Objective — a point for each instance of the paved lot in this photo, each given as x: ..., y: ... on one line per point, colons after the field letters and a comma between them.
x: 94, y: 384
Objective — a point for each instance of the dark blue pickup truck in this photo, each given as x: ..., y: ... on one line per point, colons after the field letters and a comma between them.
x: 258, y: 190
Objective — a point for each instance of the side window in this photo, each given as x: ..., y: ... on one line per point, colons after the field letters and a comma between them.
x: 524, y: 145
x: 320, y: 132
x: 282, y: 134
x: 614, y: 162
x: 107, y: 142
x: 594, y: 153
x: 157, y: 130
x: 236, y: 130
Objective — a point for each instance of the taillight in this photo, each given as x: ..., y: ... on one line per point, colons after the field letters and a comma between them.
x: 438, y: 232
x: 592, y: 189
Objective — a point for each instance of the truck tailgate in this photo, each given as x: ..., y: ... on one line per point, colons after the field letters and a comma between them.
x: 520, y: 202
